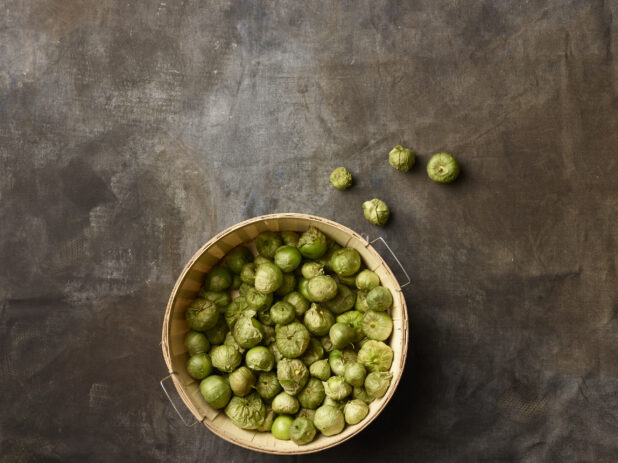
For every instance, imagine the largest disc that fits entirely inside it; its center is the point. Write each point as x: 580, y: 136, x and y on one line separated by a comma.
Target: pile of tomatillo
x: 294, y: 340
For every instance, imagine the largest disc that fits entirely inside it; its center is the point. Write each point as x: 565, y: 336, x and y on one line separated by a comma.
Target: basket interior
x: 186, y: 290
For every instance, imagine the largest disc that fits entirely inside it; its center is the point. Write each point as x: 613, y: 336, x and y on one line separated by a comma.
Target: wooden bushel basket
x: 187, y: 287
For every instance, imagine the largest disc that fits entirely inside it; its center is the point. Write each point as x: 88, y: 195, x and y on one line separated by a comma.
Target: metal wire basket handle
x: 187, y: 424
x: 379, y: 238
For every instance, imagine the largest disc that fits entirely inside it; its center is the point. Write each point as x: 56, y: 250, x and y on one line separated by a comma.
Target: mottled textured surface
x: 131, y: 132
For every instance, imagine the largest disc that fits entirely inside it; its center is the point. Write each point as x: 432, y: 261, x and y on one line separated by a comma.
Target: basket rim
x: 165, y: 345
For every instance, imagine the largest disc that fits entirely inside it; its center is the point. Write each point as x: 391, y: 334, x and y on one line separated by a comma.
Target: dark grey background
x: 132, y: 132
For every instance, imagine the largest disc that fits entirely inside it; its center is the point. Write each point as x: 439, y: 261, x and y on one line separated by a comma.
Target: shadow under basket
x: 187, y: 287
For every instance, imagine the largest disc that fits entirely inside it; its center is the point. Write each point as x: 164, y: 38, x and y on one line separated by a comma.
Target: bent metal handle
x: 188, y: 425
x: 379, y: 238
